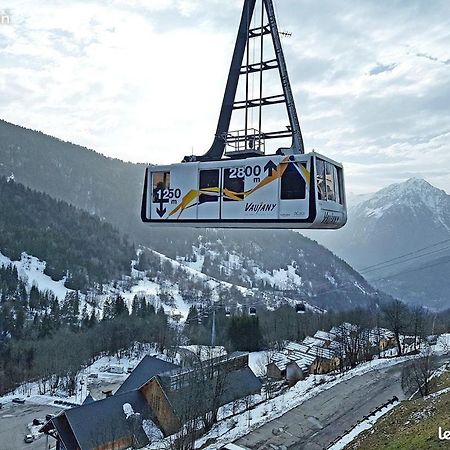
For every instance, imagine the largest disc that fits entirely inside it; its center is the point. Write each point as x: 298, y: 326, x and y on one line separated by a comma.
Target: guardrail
x: 368, y: 416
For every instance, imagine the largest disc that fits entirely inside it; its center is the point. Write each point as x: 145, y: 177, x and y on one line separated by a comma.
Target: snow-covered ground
x: 96, y: 374
x: 205, y: 352
x: 282, y: 279
x: 31, y: 270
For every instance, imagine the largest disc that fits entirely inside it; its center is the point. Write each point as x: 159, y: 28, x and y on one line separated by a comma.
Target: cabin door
x: 209, y: 199
x: 294, y: 190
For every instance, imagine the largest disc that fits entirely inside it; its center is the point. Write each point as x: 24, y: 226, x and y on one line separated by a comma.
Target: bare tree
x: 395, y: 314
x: 417, y: 375
x: 418, y: 325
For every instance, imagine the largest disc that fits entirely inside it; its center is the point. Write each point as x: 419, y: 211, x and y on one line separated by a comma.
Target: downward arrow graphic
x: 270, y: 167
x: 160, y: 211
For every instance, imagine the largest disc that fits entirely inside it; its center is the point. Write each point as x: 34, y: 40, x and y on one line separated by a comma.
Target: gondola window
x: 209, y: 181
x: 293, y: 186
x: 233, y: 186
x: 161, y: 184
x: 330, y: 182
x: 321, y: 185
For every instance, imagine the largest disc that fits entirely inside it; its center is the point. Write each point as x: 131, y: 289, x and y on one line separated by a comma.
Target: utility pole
x: 213, y: 329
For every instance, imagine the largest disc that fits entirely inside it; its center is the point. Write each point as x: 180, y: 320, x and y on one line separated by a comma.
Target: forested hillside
x: 263, y: 259
x: 271, y: 262
x: 107, y: 187
x: 75, y: 244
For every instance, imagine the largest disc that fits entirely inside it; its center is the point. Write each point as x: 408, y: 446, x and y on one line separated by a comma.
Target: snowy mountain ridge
x: 414, y: 193
x: 408, y: 218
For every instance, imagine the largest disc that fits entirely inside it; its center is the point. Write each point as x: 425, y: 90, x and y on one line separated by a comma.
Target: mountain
x: 107, y: 187
x: 76, y: 245
x: 273, y: 267
x: 412, y: 219
x: 283, y: 263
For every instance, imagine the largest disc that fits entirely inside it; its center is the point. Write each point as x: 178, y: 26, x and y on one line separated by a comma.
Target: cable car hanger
x: 245, y: 187
x: 237, y: 69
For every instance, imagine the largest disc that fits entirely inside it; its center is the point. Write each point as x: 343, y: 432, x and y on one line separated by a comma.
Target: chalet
x: 326, y: 360
x: 149, y: 367
x: 184, y: 393
x: 155, y: 401
x: 276, y: 369
x: 326, y: 336
x: 103, y: 424
x: 292, y: 365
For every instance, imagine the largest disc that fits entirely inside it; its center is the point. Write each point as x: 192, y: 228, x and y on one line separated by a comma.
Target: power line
x: 381, y: 267
x: 350, y: 284
x: 402, y: 256
x: 440, y: 263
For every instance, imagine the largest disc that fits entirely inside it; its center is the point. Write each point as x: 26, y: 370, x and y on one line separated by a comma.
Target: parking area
x: 13, y: 425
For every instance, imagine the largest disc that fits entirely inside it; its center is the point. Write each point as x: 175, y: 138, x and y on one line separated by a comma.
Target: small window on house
x: 160, y: 183
x: 293, y: 185
x: 233, y: 186
x: 209, y: 181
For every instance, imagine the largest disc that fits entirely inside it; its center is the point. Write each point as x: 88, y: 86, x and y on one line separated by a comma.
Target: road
x: 13, y: 425
x: 320, y: 420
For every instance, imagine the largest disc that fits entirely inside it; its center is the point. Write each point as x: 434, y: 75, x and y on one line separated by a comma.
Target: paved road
x: 13, y: 425
x: 321, y: 419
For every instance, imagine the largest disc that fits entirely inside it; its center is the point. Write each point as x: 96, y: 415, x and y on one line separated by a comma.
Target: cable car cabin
x: 249, y: 188
x: 297, y: 191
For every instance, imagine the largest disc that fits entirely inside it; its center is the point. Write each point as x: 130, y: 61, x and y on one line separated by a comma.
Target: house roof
x: 61, y: 425
x: 144, y: 371
x: 237, y: 384
x: 310, y: 341
x: 305, y: 359
x: 280, y: 360
x: 325, y: 335
x: 296, y: 347
x: 320, y: 352
x: 100, y: 422
x: 88, y: 399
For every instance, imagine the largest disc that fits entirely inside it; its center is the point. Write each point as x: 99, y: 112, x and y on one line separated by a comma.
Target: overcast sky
x: 143, y: 80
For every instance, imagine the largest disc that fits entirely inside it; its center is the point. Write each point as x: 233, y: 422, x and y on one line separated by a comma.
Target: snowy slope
x: 274, y: 267
x: 31, y: 270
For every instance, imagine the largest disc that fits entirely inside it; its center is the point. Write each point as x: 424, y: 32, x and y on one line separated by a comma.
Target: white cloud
x: 144, y: 80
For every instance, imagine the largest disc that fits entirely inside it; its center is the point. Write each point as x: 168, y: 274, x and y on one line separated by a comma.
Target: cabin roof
x: 312, y: 341
x: 280, y: 360
x: 238, y: 384
x: 323, y: 353
x: 144, y: 371
x: 88, y: 399
x: 325, y: 335
x: 100, y: 422
x: 296, y: 347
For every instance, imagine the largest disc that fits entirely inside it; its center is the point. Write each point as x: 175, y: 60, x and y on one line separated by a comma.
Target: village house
x: 154, y: 402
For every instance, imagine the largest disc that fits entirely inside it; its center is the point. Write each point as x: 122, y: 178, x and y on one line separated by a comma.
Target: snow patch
x: 31, y: 271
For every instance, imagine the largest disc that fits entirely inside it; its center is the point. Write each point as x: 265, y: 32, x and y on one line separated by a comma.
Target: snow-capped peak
x: 414, y: 193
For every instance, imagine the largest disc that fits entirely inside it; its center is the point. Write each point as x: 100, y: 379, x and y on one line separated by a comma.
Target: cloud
x: 432, y: 58
x: 380, y: 68
x: 144, y: 80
